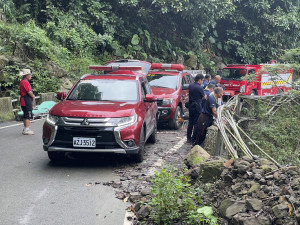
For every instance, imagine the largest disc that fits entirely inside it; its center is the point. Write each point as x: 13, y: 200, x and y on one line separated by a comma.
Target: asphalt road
x: 33, y: 191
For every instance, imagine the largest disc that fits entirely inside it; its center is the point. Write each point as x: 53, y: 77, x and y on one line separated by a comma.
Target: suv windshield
x: 163, y: 80
x: 105, y: 90
x: 233, y: 74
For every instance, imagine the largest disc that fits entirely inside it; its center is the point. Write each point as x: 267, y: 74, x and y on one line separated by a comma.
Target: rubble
x: 255, y: 191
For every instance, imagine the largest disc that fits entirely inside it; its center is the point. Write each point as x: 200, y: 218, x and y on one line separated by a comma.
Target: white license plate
x: 227, y: 93
x: 84, y: 142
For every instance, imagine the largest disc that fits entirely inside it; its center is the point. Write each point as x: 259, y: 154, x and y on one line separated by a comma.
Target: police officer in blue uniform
x: 209, y: 111
x: 196, y: 94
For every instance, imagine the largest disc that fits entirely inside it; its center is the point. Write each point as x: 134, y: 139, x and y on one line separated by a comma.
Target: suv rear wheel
x: 174, y: 123
x: 153, y: 137
x: 139, y: 157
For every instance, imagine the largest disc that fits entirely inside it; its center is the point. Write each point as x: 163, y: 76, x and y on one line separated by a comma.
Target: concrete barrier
x: 213, y: 143
x: 6, y: 109
x: 9, y: 107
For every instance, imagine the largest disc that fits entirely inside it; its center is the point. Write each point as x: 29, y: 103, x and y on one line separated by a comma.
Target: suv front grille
x: 104, y: 136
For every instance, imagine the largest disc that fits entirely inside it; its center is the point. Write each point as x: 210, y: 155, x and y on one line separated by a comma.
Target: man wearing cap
x: 26, y: 100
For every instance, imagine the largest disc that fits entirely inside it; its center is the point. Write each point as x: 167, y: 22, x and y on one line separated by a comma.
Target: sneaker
x: 28, y: 132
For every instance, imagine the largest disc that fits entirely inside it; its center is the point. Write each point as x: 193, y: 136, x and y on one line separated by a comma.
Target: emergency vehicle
x: 110, y: 112
x: 237, y: 80
x: 170, y: 84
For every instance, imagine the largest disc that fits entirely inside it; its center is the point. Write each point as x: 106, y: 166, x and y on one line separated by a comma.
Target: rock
x: 55, y: 70
x: 280, y: 210
x: 248, y: 159
x: 224, y: 206
x: 143, y: 212
x: 257, y: 176
x: 211, y: 170
x: 263, y: 220
x: 211, y: 140
x: 3, y: 61
x: 298, y: 216
x: 254, y: 187
x: 253, y: 204
x: 146, y: 192
x: 134, y: 196
x: 295, y: 183
x: 194, y: 173
x: 235, y: 208
x: 237, y: 187
x: 191, y: 62
x: 196, y: 156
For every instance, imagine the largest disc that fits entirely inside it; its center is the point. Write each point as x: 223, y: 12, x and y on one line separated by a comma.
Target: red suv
x: 170, y: 84
x: 113, y: 112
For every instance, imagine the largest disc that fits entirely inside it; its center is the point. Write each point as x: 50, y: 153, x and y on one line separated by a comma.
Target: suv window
x: 189, y: 78
x: 105, y: 90
x: 163, y: 80
x: 183, y: 81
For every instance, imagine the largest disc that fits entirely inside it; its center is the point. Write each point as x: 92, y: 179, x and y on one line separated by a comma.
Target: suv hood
x: 163, y: 92
x: 70, y: 108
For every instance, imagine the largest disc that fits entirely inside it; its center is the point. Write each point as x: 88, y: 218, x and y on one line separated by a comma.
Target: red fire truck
x: 237, y: 80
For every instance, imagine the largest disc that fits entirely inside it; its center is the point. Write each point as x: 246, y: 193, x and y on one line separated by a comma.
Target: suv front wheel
x: 139, y: 157
x: 174, y: 123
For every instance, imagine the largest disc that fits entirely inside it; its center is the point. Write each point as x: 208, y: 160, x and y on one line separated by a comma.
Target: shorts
x: 27, y: 113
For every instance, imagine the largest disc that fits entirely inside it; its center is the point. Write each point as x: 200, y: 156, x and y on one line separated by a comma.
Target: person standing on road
x: 26, y: 100
x: 196, y: 94
x: 209, y: 111
x: 206, y: 80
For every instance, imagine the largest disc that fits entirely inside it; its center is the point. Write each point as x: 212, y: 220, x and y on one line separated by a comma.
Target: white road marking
x: 18, y: 124
x: 25, y: 220
x: 152, y: 171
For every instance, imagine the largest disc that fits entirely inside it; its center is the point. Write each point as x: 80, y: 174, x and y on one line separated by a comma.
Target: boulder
x: 253, y: 204
x: 196, y: 156
x: 229, y: 208
x: 211, y: 170
x: 55, y: 70
x: 3, y: 61
x: 211, y: 139
x: 143, y: 212
x: 192, y: 62
x: 280, y: 210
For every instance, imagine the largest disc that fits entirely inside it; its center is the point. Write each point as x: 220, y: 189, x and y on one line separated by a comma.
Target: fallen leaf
x: 126, y: 199
x: 228, y: 163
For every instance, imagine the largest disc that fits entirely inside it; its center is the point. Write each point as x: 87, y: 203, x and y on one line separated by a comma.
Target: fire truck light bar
x: 178, y: 67
x: 115, y: 67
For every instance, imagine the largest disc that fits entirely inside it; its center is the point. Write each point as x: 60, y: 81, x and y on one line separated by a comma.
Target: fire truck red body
x: 237, y: 80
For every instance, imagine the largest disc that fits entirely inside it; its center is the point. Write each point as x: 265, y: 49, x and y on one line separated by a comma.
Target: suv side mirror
x: 61, y: 96
x: 150, y: 98
x: 185, y: 87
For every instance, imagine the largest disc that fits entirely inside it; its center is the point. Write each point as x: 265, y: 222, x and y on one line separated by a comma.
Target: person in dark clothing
x: 196, y: 94
x: 206, y: 80
x: 209, y: 111
x: 207, y: 91
x: 26, y: 100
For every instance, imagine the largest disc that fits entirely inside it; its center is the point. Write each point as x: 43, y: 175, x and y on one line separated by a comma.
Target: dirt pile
x: 255, y: 191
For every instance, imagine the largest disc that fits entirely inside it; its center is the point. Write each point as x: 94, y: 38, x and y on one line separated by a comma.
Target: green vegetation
x: 175, y: 199
x: 276, y: 127
x: 73, y: 34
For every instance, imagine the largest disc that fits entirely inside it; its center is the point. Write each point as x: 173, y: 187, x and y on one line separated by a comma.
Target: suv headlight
x: 167, y: 101
x: 126, y: 121
x: 52, y: 119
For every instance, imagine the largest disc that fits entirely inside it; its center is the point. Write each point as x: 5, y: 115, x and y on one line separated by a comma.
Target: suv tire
x: 153, y: 137
x: 139, y: 157
x: 174, y: 122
